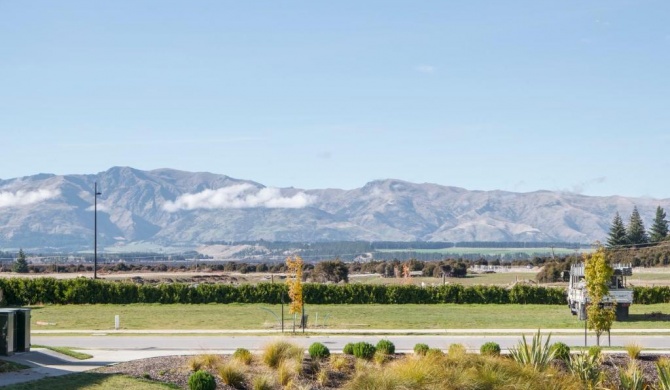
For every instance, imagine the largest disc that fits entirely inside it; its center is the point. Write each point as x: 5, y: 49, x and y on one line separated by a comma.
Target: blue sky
x: 513, y: 95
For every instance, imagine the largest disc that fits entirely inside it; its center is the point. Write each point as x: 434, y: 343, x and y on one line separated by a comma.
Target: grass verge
x: 257, y: 316
x: 65, y: 351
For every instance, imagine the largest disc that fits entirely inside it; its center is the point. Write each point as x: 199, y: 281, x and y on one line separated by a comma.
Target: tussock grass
x: 195, y: 363
x: 456, y: 350
x: 339, y: 363
x: 275, y: 353
x: 243, y: 356
x: 232, y: 374
x: 285, y: 372
x: 470, y: 371
x: 211, y: 361
x: 322, y: 377
x: 633, y: 350
x: 262, y: 382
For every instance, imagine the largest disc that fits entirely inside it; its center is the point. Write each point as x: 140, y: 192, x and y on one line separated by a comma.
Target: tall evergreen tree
x: 21, y: 264
x: 637, y: 235
x: 617, y: 236
x: 659, y: 230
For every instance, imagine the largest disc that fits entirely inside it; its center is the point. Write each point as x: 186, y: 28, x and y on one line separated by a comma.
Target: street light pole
x: 95, y: 230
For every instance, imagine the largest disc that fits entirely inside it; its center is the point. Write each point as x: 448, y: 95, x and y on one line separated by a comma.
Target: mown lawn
x: 257, y: 316
x: 89, y: 380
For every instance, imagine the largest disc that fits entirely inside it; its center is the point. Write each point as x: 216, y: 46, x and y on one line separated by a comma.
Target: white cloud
x: 239, y: 196
x: 425, y: 68
x: 23, y: 198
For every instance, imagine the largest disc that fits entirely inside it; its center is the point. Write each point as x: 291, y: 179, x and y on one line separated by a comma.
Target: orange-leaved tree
x: 294, y: 281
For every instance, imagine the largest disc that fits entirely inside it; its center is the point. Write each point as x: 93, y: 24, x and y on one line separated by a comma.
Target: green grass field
x: 90, y: 381
x: 252, y: 316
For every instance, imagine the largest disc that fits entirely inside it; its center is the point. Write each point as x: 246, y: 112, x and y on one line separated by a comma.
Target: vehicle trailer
x: 619, y: 294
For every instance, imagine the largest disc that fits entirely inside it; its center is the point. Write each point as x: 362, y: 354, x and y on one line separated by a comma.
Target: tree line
x: 635, y: 234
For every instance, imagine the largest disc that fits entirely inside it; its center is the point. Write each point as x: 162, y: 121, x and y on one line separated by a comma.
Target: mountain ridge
x: 173, y: 207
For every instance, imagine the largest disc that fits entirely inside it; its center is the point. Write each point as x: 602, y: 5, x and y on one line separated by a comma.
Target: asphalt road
x: 335, y: 342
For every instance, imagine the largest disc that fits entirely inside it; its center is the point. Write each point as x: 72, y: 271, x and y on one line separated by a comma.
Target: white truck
x: 619, y: 294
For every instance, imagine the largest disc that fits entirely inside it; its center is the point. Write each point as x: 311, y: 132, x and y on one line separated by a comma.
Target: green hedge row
x: 23, y: 291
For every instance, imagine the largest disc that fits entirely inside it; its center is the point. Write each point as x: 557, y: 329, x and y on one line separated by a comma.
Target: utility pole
x: 95, y: 230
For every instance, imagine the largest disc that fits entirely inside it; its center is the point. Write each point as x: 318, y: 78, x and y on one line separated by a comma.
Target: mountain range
x: 168, y: 207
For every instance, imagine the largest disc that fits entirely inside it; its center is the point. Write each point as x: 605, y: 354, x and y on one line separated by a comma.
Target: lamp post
x: 95, y: 230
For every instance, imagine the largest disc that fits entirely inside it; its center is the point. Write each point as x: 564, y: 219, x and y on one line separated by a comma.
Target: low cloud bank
x: 23, y: 198
x: 239, y: 196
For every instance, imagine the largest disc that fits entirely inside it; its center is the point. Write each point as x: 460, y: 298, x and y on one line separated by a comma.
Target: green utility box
x: 22, y: 330
x: 7, y: 322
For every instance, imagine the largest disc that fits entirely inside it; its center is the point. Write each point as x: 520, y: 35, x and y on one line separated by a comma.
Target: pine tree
x: 20, y: 265
x: 617, y: 236
x: 637, y: 235
x: 659, y: 230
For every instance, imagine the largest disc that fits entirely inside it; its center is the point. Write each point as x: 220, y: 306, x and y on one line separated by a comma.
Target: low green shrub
x: 421, y: 349
x: 385, y: 346
x: 318, y: 351
x: 363, y: 350
x: 561, y: 351
x: 201, y: 380
x: 490, y: 348
x: 348, y: 349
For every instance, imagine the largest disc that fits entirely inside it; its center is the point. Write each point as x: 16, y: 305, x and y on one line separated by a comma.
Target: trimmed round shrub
x: 561, y: 351
x: 363, y: 350
x: 490, y: 348
x: 421, y: 349
x: 201, y: 380
x: 318, y: 351
x: 348, y: 349
x: 385, y: 346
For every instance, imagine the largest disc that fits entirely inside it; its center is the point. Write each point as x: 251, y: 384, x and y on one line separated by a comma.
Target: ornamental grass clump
x: 586, y: 367
x: 663, y: 370
x: 232, y: 375
x: 243, y: 356
x: 537, y: 355
x: 631, y: 378
x: 471, y: 371
x: 633, y: 350
x: 262, y: 382
x: 277, y: 352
